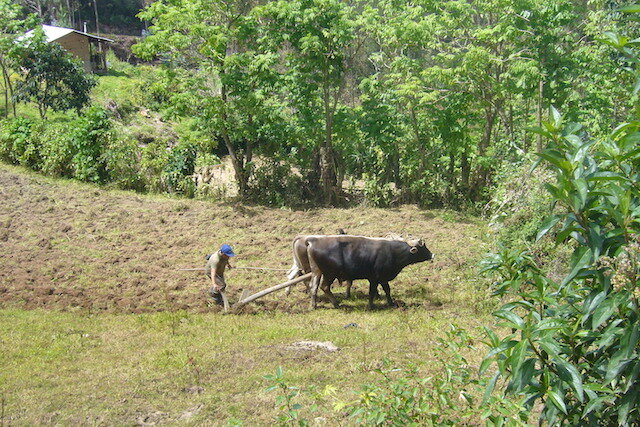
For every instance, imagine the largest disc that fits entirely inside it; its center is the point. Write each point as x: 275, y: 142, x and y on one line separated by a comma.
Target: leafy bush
x: 178, y: 171
x: 122, y: 163
x: 449, y: 398
x: 90, y: 135
x: 575, y: 342
x: 19, y: 142
x: 153, y: 160
x: 57, y: 150
x: 378, y: 193
x: 273, y: 183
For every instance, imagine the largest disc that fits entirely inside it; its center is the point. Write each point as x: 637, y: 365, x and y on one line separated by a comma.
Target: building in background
x: 87, y: 47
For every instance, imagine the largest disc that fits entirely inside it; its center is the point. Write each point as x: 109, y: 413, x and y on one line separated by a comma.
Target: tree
x: 318, y: 39
x: 11, y: 28
x: 51, y: 77
x: 209, y: 45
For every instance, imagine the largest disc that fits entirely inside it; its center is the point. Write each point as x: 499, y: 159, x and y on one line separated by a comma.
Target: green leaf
x: 582, y: 258
x: 624, y: 407
x: 593, y: 303
x: 502, y: 347
x: 569, y: 374
x: 486, y: 362
x: 523, y: 375
x: 557, y: 117
x: 603, y: 312
x: 514, y: 320
x: 490, y: 386
x: 547, y: 225
x: 593, y: 404
x: 632, y: 8
x: 557, y: 400
x: 540, y: 131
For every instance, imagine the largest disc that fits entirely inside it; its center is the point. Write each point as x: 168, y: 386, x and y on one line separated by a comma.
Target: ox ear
x: 413, y: 249
x: 421, y: 242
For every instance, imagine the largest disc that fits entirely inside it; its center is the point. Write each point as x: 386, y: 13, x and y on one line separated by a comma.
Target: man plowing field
x: 217, y: 263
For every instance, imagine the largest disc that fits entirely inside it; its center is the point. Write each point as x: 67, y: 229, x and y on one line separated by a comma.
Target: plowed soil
x: 70, y: 246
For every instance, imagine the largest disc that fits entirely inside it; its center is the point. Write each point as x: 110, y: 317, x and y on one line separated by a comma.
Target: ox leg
x: 349, y: 284
x: 373, y: 288
x: 315, y: 281
x: 294, y: 272
x: 387, y: 291
x: 326, y: 287
x: 375, y: 292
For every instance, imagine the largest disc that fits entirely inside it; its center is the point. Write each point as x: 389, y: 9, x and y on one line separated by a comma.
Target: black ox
x: 345, y: 257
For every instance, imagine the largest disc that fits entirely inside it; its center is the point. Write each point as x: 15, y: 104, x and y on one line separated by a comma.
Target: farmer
x: 217, y: 263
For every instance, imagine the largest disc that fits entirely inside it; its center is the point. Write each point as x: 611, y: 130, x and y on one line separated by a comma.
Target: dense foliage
x: 101, y: 16
x: 575, y: 341
x: 424, y: 101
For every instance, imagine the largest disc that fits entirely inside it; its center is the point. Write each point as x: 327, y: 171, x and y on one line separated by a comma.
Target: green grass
x: 77, y: 367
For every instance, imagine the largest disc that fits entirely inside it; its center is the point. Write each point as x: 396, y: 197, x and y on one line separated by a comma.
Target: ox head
x: 419, y: 250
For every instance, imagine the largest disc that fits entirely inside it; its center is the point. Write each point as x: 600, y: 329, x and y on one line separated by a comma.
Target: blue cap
x: 227, y: 250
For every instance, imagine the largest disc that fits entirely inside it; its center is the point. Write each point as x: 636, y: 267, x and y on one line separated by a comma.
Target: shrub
x: 19, y: 142
x: 575, y: 342
x: 273, y: 183
x: 122, y: 163
x: 178, y: 171
x: 57, y: 150
x: 154, y: 157
x: 90, y: 135
x: 377, y: 192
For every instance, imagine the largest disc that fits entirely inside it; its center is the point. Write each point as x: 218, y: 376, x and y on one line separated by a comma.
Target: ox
x: 301, y: 262
x: 354, y: 257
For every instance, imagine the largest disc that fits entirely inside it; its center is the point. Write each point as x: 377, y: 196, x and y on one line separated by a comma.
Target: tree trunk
x: 465, y: 171
x: 490, y: 117
x: 328, y: 175
x: 6, y: 88
x: 237, y: 161
x: 539, y: 114
x: 95, y: 10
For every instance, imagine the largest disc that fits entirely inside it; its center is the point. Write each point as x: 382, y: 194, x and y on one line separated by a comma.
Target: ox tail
x: 296, y: 268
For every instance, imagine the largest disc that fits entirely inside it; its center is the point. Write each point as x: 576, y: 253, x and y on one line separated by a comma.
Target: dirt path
x: 71, y: 246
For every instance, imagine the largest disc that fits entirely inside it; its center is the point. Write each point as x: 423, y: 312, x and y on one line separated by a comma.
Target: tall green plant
x: 575, y: 342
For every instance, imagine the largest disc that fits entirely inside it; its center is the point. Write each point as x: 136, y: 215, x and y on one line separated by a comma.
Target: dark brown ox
x: 355, y: 257
x: 301, y: 262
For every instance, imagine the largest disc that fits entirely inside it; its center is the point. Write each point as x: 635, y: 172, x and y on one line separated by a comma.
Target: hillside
x: 98, y: 326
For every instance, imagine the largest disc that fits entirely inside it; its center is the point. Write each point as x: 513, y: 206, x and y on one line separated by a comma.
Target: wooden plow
x: 244, y: 299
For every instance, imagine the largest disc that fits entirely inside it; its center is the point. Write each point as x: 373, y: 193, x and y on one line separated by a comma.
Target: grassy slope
x: 96, y: 326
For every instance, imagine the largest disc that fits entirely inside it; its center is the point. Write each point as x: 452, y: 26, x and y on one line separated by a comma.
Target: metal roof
x: 54, y: 33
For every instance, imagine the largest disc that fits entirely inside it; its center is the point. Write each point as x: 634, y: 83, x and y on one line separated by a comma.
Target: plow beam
x: 244, y: 301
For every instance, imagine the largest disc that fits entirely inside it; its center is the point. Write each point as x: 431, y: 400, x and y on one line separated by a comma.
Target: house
x: 87, y: 47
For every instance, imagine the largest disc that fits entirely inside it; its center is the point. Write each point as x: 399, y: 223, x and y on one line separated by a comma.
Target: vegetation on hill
x: 421, y: 103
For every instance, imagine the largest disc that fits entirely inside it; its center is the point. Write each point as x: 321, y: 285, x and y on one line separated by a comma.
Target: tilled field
x: 69, y: 246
